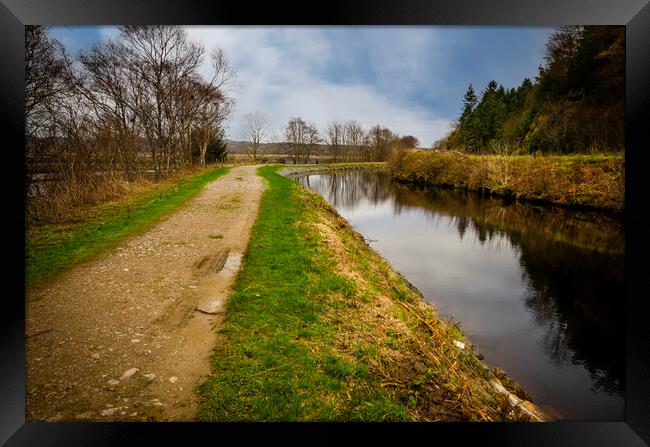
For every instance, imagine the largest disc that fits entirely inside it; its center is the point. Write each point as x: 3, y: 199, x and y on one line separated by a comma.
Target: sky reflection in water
x: 538, y: 290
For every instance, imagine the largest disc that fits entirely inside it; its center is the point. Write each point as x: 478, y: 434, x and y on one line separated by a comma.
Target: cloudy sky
x: 409, y: 79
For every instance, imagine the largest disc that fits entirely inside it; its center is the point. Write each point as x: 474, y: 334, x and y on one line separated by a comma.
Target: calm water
x: 539, y: 291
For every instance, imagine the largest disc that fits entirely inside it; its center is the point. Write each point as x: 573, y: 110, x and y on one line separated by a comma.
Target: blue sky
x: 410, y: 79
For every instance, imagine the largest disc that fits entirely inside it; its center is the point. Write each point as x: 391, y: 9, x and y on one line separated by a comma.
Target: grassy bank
x: 53, y: 248
x: 595, y: 181
x: 315, y: 169
x: 319, y: 327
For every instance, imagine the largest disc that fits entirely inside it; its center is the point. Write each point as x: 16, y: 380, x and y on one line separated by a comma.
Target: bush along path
x: 128, y: 334
x: 319, y: 327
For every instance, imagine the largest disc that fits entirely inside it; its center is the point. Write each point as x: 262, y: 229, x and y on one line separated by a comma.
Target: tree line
x: 122, y: 107
x: 575, y: 104
x: 341, y: 141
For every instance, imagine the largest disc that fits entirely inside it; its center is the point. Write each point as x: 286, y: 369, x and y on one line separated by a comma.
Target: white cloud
x: 281, y: 73
x: 408, y: 78
x: 278, y: 75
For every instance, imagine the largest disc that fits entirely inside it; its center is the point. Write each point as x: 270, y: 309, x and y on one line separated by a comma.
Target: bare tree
x: 148, y: 85
x: 45, y: 85
x: 295, y: 137
x: 313, y: 138
x: 212, y: 110
x: 256, y: 128
x: 44, y: 76
x: 166, y: 64
x: 354, y: 138
x: 109, y: 86
x: 336, y: 139
x: 379, y: 139
x: 562, y: 45
x: 301, y: 138
x: 223, y: 75
x: 90, y: 116
x: 214, y: 102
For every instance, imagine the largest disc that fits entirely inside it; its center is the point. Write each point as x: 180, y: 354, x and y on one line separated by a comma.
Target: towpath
x: 129, y: 335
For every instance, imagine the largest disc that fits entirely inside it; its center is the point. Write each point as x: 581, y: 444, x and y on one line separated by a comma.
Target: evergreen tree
x: 469, y: 102
x: 491, y: 87
x: 217, y: 149
x: 575, y: 103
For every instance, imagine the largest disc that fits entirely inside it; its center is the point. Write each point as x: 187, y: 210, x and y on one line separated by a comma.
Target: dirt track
x: 129, y: 335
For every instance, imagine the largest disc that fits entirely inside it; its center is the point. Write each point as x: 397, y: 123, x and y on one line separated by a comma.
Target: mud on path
x: 129, y: 335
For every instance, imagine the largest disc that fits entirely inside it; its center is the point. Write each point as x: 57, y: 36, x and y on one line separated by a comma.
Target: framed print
x: 422, y: 214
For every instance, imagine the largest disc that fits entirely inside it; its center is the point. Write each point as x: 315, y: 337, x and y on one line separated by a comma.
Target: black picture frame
x: 634, y: 14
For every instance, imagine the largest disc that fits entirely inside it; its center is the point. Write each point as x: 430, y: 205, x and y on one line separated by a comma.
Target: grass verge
x: 320, y: 328
x: 54, y: 248
x: 592, y: 181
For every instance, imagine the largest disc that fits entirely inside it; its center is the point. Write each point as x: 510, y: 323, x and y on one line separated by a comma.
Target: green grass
x: 279, y: 362
x: 320, y: 328
x: 53, y: 249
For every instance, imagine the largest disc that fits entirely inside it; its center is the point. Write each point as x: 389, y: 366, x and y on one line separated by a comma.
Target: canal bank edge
x: 371, y: 166
x: 590, y: 182
x: 442, y: 337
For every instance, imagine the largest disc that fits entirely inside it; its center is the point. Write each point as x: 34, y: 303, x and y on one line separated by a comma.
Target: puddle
x: 213, y: 302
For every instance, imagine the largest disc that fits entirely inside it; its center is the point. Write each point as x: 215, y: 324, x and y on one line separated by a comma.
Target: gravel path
x: 129, y: 335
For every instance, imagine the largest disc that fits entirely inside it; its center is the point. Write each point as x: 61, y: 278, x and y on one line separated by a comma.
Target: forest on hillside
x: 575, y: 103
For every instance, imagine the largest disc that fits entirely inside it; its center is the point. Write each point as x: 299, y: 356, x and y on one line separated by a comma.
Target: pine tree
x: 491, y: 87
x: 575, y: 103
x: 217, y: 149
x: 469, y: 103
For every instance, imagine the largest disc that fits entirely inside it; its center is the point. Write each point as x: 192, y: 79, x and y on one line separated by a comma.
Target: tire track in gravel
x: 128, y: 335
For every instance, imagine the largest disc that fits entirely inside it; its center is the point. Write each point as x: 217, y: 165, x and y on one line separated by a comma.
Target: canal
x: 539, y: 291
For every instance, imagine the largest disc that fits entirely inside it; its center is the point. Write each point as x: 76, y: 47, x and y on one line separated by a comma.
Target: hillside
x: 575, y: 104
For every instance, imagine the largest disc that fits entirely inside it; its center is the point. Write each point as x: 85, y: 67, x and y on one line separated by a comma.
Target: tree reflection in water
x: 572, y: 262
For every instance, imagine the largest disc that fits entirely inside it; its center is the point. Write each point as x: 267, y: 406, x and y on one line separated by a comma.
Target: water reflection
x: 577, y: 296
x: 348, y: 189
x: 539, y: 290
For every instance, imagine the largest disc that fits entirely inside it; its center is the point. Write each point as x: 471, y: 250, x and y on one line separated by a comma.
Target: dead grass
x: 407, y: 346
x: 595, y: 181
x: 71, y: 200
x: 85, y: 230
x: 58, y: 202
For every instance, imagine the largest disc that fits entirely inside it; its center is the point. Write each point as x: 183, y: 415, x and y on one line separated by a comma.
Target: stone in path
x: 83, y: 360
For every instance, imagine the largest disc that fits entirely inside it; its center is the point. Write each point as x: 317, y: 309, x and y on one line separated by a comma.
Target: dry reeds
x: 410, y: 351
x: 596, y: 181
